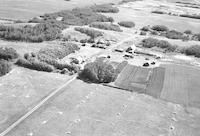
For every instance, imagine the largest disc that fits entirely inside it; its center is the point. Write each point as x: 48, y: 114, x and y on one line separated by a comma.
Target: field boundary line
x: 21, y: 119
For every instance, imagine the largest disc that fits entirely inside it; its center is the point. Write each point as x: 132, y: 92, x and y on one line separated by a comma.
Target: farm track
x: 36, y: 107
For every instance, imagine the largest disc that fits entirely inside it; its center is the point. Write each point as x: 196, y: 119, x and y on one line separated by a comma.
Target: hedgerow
x: 105, y: 8
x: 190, y: 16
x: 106, y: 26
x: 128, y: 24
x: 158, y: 12
x: 35, y: 65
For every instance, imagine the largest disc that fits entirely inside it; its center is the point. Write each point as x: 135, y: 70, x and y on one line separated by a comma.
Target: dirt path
x: 36, y: 107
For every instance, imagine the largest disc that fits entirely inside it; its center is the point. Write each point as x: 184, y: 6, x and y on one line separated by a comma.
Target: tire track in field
x: 15, y: 124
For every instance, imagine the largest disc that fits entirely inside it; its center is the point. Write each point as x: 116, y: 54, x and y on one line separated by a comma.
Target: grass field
x: 26, y: 9
x: 140, y: 13
x: 96, y: 110
x: 24, y: 47
x: 181, y: 85
x: 21, y: 89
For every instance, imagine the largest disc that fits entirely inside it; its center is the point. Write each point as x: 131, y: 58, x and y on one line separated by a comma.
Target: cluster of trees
x: 171, y: 34
x: 77, y: 16
x: 49, y: 30
x: 98, y: 72
x: 193, y: 50
x: 6, y: 55
x: 90, y: 32
x: 152, y: 42
x: 106, y: 26
x: 5, y: 67
x: 49, y: 27
x: 128, y: 24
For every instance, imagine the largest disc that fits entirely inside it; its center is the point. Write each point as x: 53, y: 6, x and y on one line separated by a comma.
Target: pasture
x: 21, y: 89
x: 24, y: 10
x: 140, y: 13
x: 94, y: 110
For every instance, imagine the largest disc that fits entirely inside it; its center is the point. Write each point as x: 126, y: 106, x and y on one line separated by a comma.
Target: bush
x: 158, y: 12
x: 35, y: 65
x: 128, y: 24
x: 105, y: 8
x: 193, y: 50
x: 8, y: 53
x: 90, y: 32
x: 197, y: 36
x: 188, y: 32
x: 106, y: 26
x: 160, y: 28
x: 145, y: 28
x: 5, y: 67
x: 26, y: 56
x: 98, y: 72
x: 151, y: 42
x: 143, y: 33
x: 173, y: 34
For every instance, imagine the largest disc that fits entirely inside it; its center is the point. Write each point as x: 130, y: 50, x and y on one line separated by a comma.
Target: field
x: 23, y: 10
x: 133, y: 78
x: 142, y: 80
x: 140, y: 13
x: 170, y: 82
x: 181, y: 85
x: 162, y: 99
x: 21, y: 89
x: 90, y: 109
